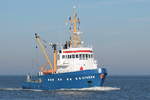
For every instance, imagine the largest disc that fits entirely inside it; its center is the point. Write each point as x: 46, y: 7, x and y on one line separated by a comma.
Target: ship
x: 74, y: 65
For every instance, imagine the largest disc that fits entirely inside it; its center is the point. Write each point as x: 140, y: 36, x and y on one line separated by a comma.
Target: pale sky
x: 118, y: 30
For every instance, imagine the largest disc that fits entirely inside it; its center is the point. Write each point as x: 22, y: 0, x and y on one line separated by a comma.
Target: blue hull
x: 79, y: 79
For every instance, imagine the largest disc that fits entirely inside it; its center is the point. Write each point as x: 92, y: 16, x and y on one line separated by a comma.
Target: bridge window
x: 66, y: 56
x: 73, y: 56
x: 80, y: 56
x: 86, y: 56
x: 63, y: 56
x: 77, y: 56
x: 69, y: 56
x: 91, y: 55
x: 83, y: 56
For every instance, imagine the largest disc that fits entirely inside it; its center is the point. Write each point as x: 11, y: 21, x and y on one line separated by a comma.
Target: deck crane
x: 52, y: 69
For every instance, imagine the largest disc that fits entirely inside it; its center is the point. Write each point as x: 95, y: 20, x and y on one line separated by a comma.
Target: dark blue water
x: 131, y: 88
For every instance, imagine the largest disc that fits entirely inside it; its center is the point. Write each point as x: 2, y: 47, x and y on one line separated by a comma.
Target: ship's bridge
x: 76, y: 59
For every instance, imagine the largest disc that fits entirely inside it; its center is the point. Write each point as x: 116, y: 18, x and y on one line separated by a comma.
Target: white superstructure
x: 76, y: 59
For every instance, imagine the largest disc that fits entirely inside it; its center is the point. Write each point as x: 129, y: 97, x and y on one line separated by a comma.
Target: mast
x: 75, y: 40
x: 74, y: 20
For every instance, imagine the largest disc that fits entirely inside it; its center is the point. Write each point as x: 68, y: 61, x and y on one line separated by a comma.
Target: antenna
x: 74, y: 29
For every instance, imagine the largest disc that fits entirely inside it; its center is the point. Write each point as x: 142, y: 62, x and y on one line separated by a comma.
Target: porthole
x: 79, y: 78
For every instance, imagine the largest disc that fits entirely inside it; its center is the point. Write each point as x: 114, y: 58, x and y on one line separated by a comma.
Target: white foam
x: 72, y: 89
x: 11, y: 89
x: 95, y: 89
x: 19, y: 89
x: 35, y: 90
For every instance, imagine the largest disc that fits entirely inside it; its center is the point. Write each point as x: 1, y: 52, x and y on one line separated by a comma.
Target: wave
x: 95, y: 89
x: 72, y: 89
x: 11, y: 89
x: 18, y: 89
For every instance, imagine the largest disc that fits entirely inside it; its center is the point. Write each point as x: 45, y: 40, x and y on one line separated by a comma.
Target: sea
x: 115, y: 88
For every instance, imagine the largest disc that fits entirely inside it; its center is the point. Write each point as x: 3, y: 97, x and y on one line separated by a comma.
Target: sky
x: 118, y: 30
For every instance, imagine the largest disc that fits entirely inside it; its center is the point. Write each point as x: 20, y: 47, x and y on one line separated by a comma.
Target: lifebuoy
x: 81, y: 68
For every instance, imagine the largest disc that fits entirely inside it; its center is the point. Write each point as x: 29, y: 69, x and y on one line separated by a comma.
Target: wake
x: 73, y: 89
x: 18, y: 89
x: 95, y: 89
x: 11, y: 89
